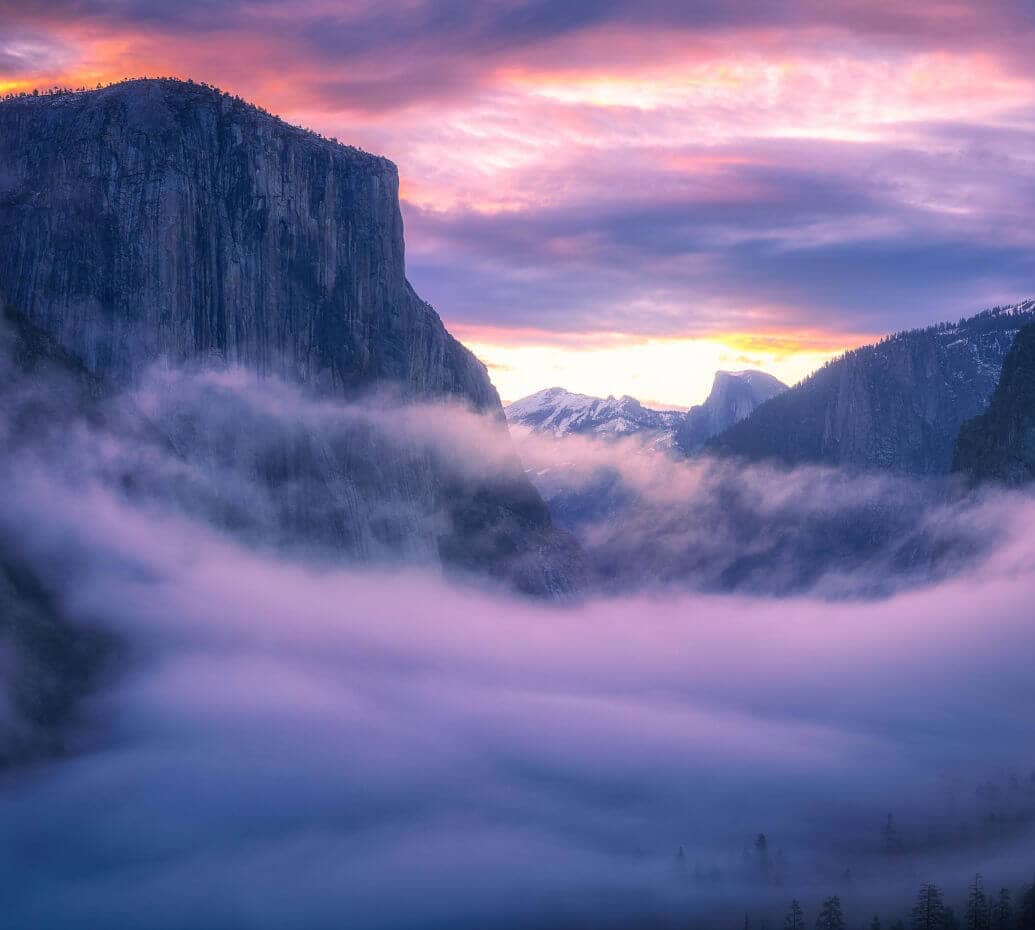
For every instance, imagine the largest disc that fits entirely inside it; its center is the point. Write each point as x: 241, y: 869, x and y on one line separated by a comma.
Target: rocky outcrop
x: 163, y: 220
x: 897, y: 405
x: 734, y: 396
x: 999, y: 445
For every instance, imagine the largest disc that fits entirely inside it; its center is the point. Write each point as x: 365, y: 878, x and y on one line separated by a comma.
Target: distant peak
x: 1024, y: 306
x: 559, y: 394
x: 750, y: 377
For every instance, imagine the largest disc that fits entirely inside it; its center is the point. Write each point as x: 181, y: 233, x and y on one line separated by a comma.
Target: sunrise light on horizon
x: 604, y: 193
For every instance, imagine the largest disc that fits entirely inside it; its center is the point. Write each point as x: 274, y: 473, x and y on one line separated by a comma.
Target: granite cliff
x: 734, y: 396
x: 160, y: 220
x: 157, y: 218
x: 159, y: 226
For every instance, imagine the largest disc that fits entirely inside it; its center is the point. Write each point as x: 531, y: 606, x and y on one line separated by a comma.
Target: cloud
x: 295, y: 743
x: 293, y: 747
x: 648, y: 519
x: 650, y: 169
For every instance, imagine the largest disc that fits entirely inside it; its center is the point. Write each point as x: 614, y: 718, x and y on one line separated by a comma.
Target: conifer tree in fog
x: 1002, y: 911
x: 977, y: 915
x: 679, y: 866
x: 929, y: 911
x: 831, y: 916
x: 795, y: 919
x: 762, y: 856
x: 1026, y: 918
x: 892, y: 843
x: 875, y: 923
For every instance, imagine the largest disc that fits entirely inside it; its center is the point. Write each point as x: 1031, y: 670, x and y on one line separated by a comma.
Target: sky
x: 621, y: 197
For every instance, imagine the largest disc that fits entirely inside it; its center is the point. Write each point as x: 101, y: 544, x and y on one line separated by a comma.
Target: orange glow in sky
x: 603, y: 201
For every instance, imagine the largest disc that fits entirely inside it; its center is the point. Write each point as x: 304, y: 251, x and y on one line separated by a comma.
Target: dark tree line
x: 58, y: 90
x: 983, y: 911
x: 985, y: 816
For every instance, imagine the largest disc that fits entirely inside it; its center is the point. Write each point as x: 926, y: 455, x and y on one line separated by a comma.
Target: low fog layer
x: 289, y: 742
x: 647, y: 518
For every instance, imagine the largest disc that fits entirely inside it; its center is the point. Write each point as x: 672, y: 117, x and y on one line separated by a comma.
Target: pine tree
x: 977, y: 916
x: 892, y: 844
x: 1002, y: 911
x: 795, y: 919
x: 679, y: 866
x: 929, y: 911
x: 762, y: 855
x: 875, y: 923
x: 1026, y: 918
x: 831, y: 916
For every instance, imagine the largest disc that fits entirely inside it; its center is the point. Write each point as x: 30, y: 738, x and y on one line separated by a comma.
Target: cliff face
x: 897, y: 405
x: 165, y: 220
x: 157, y: 218
x: 999, y: 445
x: 734, y: 396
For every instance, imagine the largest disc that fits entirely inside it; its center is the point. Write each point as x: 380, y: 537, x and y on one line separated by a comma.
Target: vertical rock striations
x: 165, y: 219
x: 158, y: 219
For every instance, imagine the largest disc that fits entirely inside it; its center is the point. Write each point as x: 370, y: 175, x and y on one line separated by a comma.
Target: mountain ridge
x: 559, y: 412
x: 896, y: 405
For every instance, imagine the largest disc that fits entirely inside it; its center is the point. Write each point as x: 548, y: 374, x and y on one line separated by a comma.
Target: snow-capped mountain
x: 563, y: 413
x: 734, y: 396
x: 558, y: 412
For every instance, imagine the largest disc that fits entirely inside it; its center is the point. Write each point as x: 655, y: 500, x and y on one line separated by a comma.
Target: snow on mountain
x: 562, y: 413
x: 558, y: 412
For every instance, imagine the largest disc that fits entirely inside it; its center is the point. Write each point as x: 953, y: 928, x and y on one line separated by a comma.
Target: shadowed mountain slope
x: 999, y: 445
x: 896, y: 405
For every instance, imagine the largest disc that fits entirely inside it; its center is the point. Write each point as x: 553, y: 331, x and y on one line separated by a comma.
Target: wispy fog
x: 287, y: 742
x: 648, y: 517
